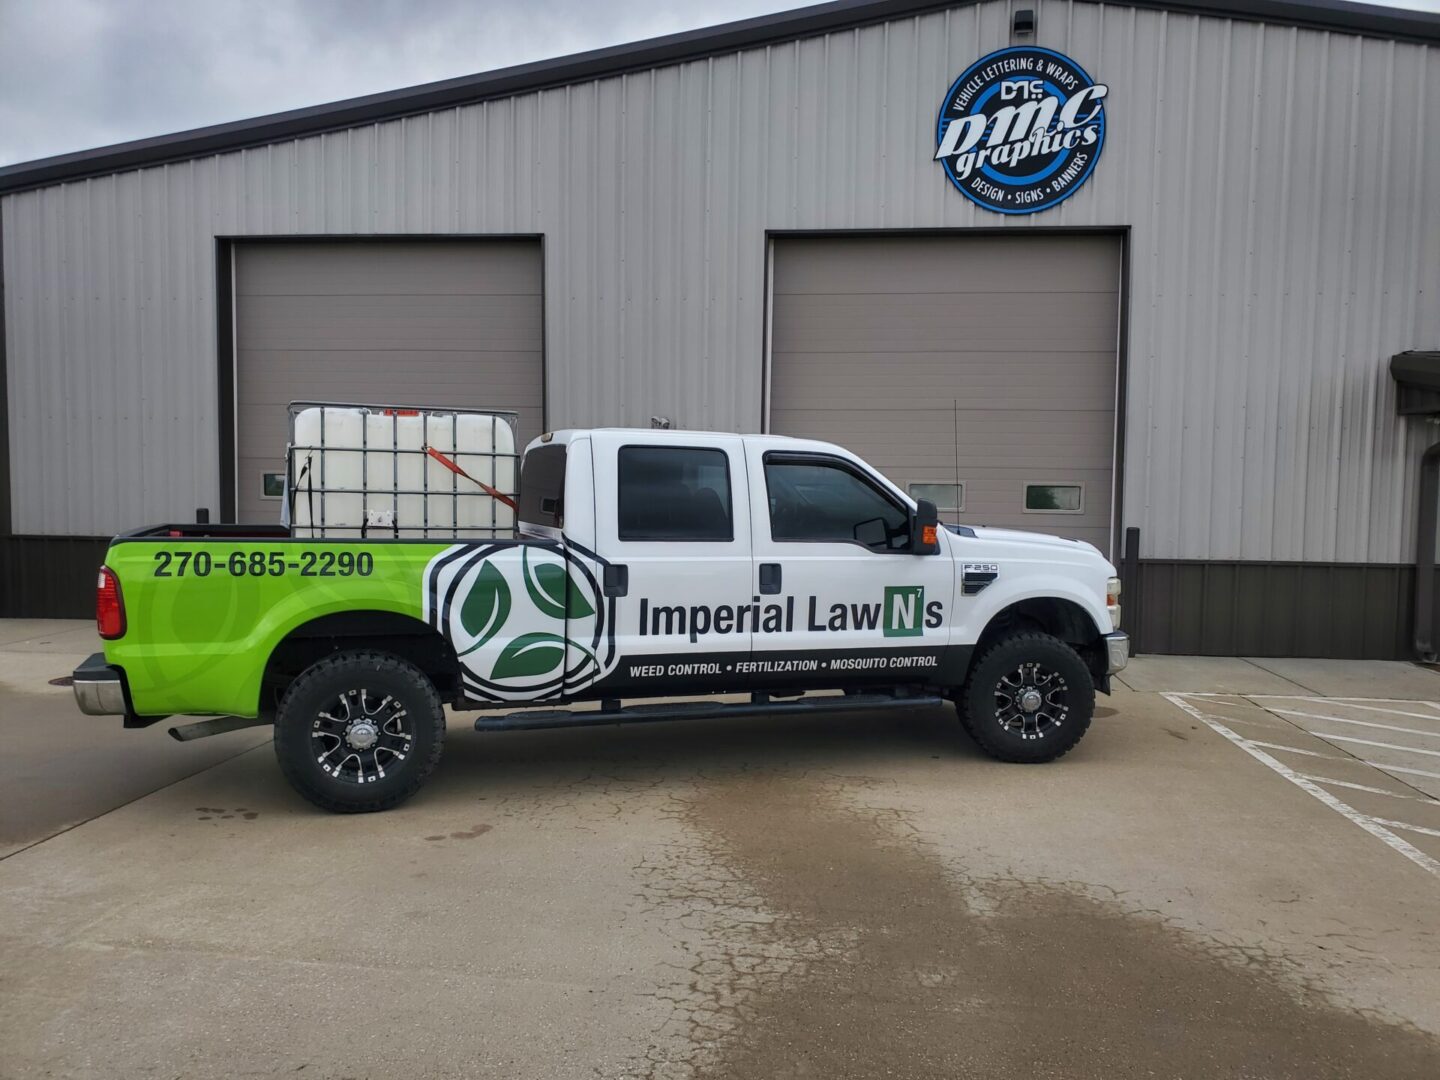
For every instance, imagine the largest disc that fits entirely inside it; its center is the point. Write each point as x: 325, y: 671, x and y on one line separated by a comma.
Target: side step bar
x: 216, y: 725
x: 536, y: 719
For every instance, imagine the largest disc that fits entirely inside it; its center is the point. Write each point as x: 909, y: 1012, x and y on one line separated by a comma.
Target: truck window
x: 542, y: 486
x: 674, y: 493
x: 820, y: 500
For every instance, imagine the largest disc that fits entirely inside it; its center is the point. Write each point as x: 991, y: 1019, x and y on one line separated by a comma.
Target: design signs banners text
x: 1021, y: 129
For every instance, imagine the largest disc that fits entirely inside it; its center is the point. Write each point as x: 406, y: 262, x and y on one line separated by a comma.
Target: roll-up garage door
x: 976, y: 371
x: 426, y: 322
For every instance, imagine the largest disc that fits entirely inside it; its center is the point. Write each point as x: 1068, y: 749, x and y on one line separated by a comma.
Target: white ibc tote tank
x: 385, y: 472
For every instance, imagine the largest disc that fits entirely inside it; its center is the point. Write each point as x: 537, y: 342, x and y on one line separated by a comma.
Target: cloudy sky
x: 82, y: 73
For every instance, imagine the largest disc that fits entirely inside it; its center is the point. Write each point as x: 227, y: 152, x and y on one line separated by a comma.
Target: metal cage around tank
x: 307, y: 466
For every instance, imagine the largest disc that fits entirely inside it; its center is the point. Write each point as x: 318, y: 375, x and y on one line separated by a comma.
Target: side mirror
x: 925, y: 529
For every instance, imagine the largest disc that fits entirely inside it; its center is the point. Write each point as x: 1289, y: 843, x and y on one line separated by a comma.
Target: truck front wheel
x: 1029, y: 699
x: 359, y: 732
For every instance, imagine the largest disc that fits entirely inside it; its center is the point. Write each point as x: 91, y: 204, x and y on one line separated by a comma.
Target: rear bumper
x: 100, y: 689
x: 1117, y: 652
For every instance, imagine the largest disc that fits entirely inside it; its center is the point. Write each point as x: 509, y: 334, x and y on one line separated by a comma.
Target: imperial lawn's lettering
x: 902, y: 613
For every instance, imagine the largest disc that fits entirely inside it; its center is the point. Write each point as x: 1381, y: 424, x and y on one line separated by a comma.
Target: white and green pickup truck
x: 742, y: 571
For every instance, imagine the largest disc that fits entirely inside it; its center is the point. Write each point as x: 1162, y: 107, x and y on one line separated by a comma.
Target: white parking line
x: 1382, y: 766
x: 1404, y: 825
x: 1401, y: 768
x: 1296, y: 750
x: 1374, y: 827
x: 1376, y: 708
x: 1372, y: 742
x: 1373, y: 790
x: 1355, y: 702
x: 1359, y: 723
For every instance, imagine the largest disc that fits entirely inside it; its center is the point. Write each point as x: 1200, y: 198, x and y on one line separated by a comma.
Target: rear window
x: 674, y: 493
x: 542, y: 486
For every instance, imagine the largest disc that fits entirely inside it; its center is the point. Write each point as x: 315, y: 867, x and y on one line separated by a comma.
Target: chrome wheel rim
x: 361, y: 736
x: 1031, y: 701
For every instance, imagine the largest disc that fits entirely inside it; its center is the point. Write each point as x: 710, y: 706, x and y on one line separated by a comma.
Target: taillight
x: 109, y: 606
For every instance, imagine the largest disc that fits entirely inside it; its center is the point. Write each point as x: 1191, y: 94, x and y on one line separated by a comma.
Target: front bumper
x: 100, y: 689
x: 1117, y: 651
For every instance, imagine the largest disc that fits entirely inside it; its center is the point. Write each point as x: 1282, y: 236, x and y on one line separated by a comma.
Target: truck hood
x: 1032, y: 544
x: 1020, y: 536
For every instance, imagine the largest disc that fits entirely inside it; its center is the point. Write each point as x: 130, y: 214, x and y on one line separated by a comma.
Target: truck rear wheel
x: 359, y: 732
x: 1029, y: 699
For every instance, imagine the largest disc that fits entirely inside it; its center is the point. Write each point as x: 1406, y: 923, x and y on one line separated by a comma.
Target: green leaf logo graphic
x: 486, y: 607
x: 530, y: 654
x: 575, y: 600
x: 552, y: 590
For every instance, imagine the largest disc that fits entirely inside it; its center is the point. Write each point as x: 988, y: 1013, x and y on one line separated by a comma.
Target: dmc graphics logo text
x: 1021, y: 129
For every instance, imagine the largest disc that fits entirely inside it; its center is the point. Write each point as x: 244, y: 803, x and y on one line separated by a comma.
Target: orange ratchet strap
x: 458, y: 471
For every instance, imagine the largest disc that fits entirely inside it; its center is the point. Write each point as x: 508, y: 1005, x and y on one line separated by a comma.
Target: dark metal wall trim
x: 225, y: 372
x: 5, y: 521
x: 1338, y: 15
x: 1422, y: 635
x: 1219, y: 608
x: 49, y: 577
x: 1122, y: 405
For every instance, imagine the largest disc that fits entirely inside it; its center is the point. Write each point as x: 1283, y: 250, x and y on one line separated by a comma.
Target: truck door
x: 528, y: 620
x: 833, y: 542
x: 672, y: 523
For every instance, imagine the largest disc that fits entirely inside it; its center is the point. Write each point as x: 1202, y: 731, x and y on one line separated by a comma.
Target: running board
x: 216, y: 725
x: 534, y: 719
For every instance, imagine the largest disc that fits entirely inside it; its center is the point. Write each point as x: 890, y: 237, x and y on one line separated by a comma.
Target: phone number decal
x: 265, y: 564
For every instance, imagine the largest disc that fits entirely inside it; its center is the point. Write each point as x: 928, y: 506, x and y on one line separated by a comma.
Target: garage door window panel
x: 1052, y: 497
x: 947, y: 495
x: 674, y: 493
x: 821, y: 500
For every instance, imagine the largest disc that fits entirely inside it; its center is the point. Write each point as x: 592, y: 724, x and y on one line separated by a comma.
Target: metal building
x: 1082, y: 267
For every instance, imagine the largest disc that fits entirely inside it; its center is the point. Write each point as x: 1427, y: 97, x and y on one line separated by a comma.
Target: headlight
x: 1112, y: 601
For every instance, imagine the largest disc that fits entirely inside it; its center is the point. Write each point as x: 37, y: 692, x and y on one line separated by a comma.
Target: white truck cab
x: 699, y: 563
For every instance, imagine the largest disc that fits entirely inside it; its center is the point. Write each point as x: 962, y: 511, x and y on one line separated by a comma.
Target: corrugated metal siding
x: 1283, y: 188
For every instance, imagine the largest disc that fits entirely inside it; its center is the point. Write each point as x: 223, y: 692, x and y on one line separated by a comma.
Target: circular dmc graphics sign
x: 1021, y: 129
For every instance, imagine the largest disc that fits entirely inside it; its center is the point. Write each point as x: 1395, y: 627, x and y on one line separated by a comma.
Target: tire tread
x: 987, y: 735
x: 290, y: 764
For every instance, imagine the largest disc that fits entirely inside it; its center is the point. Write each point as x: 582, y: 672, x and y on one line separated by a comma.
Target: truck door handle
x: 616, y: 580
x: 769, y: 578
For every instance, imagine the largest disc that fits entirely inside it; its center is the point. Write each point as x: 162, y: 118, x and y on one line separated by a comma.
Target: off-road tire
x: 323, y: 686
x: 981, y: 716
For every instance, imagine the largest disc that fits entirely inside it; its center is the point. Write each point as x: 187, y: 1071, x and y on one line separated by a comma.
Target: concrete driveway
x: 856, y: 897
